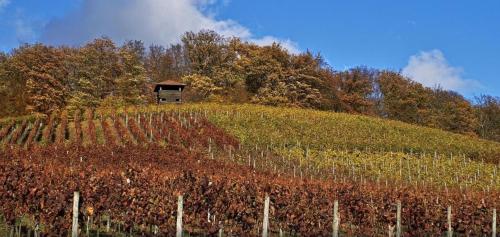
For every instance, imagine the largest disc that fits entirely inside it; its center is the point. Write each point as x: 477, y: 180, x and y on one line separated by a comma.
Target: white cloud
x: 291, y: 46
x: 432, y: 69
x: 152, y: 21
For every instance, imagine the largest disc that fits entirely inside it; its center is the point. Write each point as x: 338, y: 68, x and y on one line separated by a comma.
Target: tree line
x: 42, y: 78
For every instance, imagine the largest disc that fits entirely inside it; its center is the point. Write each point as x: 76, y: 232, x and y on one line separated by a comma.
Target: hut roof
x: 170, y: 83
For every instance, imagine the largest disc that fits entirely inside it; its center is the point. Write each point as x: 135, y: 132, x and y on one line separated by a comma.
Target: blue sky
x: 451, y: 43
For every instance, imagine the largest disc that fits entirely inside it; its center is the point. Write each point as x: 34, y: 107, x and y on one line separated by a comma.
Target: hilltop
x: 101, y: 73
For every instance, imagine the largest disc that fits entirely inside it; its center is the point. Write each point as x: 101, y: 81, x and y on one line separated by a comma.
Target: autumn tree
x: 12, y: 88
x: 488, y: 115
x: 38, y: 73
x: 211, y: 55
x: 97, y: 65
x: 136, y: 48
x: 288, y: 91
x: 208, y: 52
x: 200, y: 87
x: 103, y: 70
x: 131, y: 84
x: 158, y: 63
x: 452, y: 112
x: 355, y: 88
x: 403, y: 99
x: 179, y: 61
x: 166, y: 63
x: 258, y: 64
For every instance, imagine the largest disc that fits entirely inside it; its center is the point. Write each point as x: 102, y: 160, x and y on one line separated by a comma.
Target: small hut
x: 169, y: 92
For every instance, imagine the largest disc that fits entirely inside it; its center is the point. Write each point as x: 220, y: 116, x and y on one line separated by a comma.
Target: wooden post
x: 391, y: 231
x: 108, y: 223
x: 398, y: 221
x: 179, y: 216
x: 265, y: 223
x: 37, y: 234
x: 87, y: 226
x: 494, y: 224
x: 74, y: 230
x: 336, y: 218
x: 450, y: 230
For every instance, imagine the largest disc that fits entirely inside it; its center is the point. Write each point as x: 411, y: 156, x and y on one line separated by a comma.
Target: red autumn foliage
x: 47, y: 132
x: 138, y: 185
x: 137, y: 131
x: 123, y: 131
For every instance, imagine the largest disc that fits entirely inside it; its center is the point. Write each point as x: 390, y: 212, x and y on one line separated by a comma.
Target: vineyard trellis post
x: 450, y: 230
x: 265, y: 223
x: 37, y: 233
x: 391, y: 231
x: 180, y: 202
x: 336, y: 218
x: 76, y: 199
x: 108, y: 223
x: 494, y: 223
x: 398, y: 221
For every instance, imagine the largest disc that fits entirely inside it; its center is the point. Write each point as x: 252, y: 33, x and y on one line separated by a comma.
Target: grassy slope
x: 344, y: 145
x: 360, y: 146
x: 318, y: 129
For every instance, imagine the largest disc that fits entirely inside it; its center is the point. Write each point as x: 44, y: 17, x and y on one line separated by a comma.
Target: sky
x: 451, y: 43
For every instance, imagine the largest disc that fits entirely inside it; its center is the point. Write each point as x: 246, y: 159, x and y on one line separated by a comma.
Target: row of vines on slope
x: 137, y: 187
x: 298, y: 159
x: 159, y: 153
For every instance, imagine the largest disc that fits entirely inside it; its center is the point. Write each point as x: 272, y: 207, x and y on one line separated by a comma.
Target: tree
x: 166, y: 63
x: 12, y: 94
x: 98, y: 66
x: 403, y: 99
x: 355, y: 88
x: 136, y: 47
x: 102, y: 70
x: 131, y: 83
x: 40, y: 75
x: 287, y: 92
x: 488, y: 114
x: 257, y: 64
x: 200, y: 87
x: 453, y: 112
x: 213, y: 56
x: 180, y: 62
x: 207, y: 52
x: 158, y: 63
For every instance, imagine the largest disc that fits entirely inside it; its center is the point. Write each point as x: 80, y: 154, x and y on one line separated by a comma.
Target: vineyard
x: 130, y: 165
